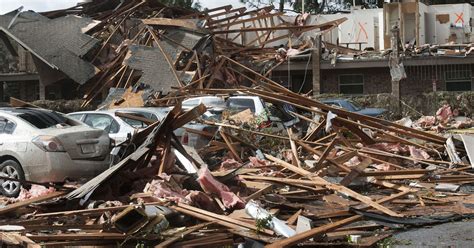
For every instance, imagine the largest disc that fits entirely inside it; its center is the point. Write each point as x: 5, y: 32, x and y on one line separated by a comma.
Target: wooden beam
x: 356, y: 171
x: 17, y: 205
x: 220, y: 219
x: 335, y: 187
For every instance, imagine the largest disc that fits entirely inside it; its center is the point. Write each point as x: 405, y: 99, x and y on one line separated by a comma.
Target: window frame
x: 2, y: 131
x: 351, y: 84
x: 454, y: 80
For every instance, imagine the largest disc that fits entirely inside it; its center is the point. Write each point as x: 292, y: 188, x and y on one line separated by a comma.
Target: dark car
x: 354, y: 107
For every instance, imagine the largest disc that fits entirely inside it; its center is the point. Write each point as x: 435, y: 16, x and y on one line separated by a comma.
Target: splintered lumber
x: 328, y: 227
x: 189, y: 116
x: 231, y: 147
x: 294, y: 217
x: 322, y: 158
x: 355, y: 172
x: 232, y: 17
x: 14, y: 102
x: 295, y: 160
x: 91, y: 211
x: 170, y: 22
x: 305, y: 28
x: 335, y: 187
x: 135, y: 117
x: 313, y: 232
x: 178, y: 236
x: 219, y: 219
x: 11, y: 239
x: 17, y: 205
x: 79, y: 236
x: 246, y: 20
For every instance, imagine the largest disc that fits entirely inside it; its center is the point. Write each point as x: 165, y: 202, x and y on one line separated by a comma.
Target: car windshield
x: 42, y: 119
x: 356, y: 106
x: 240, y: 104
x: 137, y: 123
x: 191, y: 102
x: 213, y: 102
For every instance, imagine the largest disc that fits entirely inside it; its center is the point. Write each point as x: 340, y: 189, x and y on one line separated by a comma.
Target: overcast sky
x: 44, y: 5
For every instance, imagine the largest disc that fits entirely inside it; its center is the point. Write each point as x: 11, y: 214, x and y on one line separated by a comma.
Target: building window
x: 351, y: 84
x: 458, y: 80
x: 282, y: 78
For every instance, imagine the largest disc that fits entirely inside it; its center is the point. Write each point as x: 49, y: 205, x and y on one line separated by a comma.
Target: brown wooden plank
x: 178, y: 236
x: 12, y: 207
x: 220, y: 219
x: 319, y: 165
x: 355, y: 172
x: 294, y: 217
x: 335, y: 187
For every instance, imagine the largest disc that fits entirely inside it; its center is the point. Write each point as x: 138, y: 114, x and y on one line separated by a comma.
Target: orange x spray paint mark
x: 362, y: 30
x: 459, y: 18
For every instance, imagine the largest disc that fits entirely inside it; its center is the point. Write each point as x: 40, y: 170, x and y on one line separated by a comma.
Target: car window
x: 136, y: 123
x: 356, y: 106
x: 191, y: 102
x: 41, y: 119
x: 77, y: 117
x: 213, y: 102
x: 238, y: 104
x: 281, y: 112
x: 101, y: 121
x: 6, y: 126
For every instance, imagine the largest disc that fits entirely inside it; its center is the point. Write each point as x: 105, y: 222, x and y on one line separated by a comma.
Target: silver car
x: 44, y: 146
x: 119, y: 128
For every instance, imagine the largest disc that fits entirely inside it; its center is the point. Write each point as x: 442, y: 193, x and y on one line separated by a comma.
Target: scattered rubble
x: 349, y: 176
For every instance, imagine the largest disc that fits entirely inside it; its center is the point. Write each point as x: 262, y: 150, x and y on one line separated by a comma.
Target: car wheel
x: 11, y: 169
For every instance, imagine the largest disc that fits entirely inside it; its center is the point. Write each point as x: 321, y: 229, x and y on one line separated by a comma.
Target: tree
x: 186, y: 4
x: 259, y: 3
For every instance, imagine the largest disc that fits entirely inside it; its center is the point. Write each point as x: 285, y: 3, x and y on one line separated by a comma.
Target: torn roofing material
x: 175, y: 41
x: 60, y: 43
x: 152, y: 62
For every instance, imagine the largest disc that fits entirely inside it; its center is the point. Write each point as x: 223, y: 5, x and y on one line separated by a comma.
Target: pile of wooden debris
x: 347, y: 179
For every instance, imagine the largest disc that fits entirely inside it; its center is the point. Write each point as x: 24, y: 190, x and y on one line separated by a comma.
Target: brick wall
x: 377, y: 80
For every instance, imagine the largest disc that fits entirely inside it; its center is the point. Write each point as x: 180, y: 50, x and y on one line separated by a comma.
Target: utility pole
x: 397, y: 71
x: 316, y: 65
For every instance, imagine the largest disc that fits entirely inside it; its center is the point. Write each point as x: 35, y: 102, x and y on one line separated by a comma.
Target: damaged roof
x: 60, y: 42
x: 152, y: 62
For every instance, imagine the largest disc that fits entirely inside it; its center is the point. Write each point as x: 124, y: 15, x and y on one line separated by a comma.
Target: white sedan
x: 44, y: 146
x: 118, y: 128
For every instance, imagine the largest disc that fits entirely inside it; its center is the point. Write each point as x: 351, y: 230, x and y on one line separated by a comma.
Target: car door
x: 3, y: 139
x: 107, y: 123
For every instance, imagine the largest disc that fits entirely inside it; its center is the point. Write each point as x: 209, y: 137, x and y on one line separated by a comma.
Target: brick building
x: 372, y: 76
x: 424, y: 74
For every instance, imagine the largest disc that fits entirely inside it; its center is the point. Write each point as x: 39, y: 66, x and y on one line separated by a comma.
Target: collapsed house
x: 435, y: 40
x: 345, y: 179
x: 352, y: 59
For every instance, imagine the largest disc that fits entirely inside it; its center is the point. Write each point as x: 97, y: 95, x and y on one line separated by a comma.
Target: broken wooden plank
x: 17, y: 205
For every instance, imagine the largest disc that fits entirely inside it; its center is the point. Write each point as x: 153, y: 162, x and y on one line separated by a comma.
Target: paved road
x: 455, y: 234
